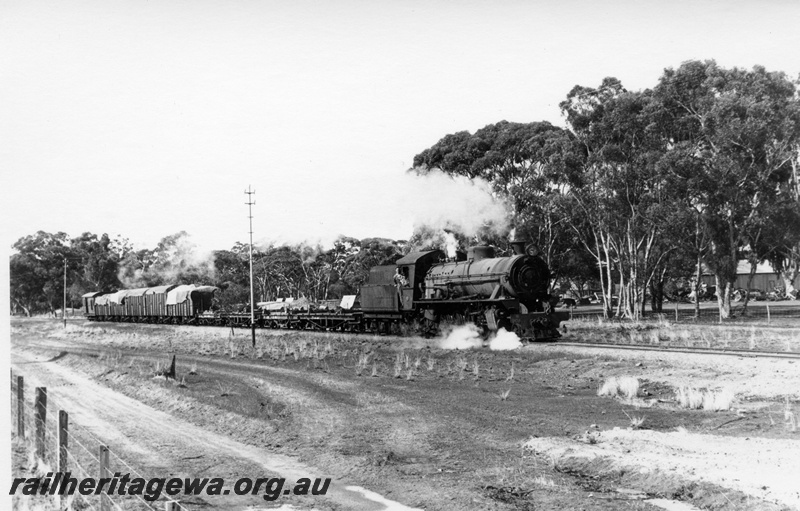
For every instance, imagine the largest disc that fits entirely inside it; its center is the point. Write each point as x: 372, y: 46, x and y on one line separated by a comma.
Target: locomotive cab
x: 414, y: 267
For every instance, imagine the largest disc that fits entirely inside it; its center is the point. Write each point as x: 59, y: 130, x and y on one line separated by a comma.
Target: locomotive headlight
x: 532, y: 250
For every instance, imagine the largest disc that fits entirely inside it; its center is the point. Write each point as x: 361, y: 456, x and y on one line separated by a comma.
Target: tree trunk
x: 750, y: 277
x: 698, y: 286
x: 788, y: 274
x: 723, y: 298
x: 22, y: 306
x: 657, y: 295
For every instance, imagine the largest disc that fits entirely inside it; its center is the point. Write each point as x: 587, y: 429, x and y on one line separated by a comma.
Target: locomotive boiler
x: 478, y: 287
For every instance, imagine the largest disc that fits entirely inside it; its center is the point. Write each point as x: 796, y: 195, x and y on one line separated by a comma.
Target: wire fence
x: 708, y: 312
x: 62, y: 451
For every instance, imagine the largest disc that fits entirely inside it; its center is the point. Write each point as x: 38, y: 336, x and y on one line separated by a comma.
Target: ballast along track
x: 666, y: 349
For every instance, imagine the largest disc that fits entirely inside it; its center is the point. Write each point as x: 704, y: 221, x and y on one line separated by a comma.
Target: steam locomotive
x: 422, y: 290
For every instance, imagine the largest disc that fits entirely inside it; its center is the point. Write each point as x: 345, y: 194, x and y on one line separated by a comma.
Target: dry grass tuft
x: 620, y: 386
x: 789, y: 417
x: 688, y: 397
x: 504, y: 394
x: 361, y: 363
x: 636, y: 422
x: 224, y: 390
x: 696, y: 399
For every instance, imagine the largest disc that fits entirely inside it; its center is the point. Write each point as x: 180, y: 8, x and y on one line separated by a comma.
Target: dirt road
x: 168, y: 446
x: 419, y: 426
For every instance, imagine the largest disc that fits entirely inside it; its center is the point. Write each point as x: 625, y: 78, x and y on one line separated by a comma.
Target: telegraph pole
x: 250, y: 203
x: 64, y: 307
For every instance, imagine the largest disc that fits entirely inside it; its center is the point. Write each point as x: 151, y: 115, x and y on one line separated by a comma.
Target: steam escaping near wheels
x: 468, y: 336
x: 504, y: 341
x: 462, y: 337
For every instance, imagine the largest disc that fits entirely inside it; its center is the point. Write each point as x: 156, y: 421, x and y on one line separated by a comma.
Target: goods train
x: 421, y: 290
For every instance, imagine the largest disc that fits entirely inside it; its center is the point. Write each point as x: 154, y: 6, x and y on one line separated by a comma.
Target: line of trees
x: 99, y: 263
x: 647, y: 186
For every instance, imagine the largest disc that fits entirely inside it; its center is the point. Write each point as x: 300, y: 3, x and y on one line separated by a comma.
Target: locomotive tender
x: 422, y: 289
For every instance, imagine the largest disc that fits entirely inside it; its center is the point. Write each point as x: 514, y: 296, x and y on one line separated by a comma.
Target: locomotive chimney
x: 518, y: 247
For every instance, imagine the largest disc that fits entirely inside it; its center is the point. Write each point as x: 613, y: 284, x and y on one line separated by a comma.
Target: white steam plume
x: 463, y: 337
x: 504, y: 340
x: 454, y: 203
x: 169, y: 263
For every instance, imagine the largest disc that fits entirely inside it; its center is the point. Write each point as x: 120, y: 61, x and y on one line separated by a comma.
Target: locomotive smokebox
x: 518, y: 247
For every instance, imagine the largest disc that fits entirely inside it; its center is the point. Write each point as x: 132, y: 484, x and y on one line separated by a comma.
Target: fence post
x: 171, y: 505
x: 63, y: 440
x: 20, y: 407
x: 676, y: 311
x: 104, y: 472
x: 41, y: 418
x: 63, y: 446
x: 11, y: 401
x: 768, y: 318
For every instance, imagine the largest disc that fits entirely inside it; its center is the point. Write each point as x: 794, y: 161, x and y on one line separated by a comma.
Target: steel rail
x: 666, y: 349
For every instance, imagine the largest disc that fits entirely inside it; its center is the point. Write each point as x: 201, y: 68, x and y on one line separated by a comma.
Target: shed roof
x: 743, y: 268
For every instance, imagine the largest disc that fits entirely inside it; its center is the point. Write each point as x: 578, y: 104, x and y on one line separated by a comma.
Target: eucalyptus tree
x: 782, y: 237
x: 36, y: 271
x: 621, y: 198
x: 527, y: 164
x: 739, y: 131
x: 96, y: 263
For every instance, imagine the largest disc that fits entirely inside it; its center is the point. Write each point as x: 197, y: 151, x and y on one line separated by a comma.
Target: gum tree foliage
x: 310, y: 271
x: 528, y: 165
x: 36, y: 272
x: 98, y: 263
x: 37, y: 269
x: 174, y: 260
x: 374, y: 252
x: 701, y: 170
x: 737, y: 132
x: 232, y: 271
x: 352, y: 259
x: 620, y: 199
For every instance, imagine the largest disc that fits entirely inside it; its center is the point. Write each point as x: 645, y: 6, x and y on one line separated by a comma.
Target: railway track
x: 666, y: 349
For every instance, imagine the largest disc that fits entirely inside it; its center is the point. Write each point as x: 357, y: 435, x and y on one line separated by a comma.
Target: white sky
x: 144, y: 118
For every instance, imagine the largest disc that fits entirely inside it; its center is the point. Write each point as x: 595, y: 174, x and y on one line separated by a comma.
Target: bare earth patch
x: 403, y: 421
